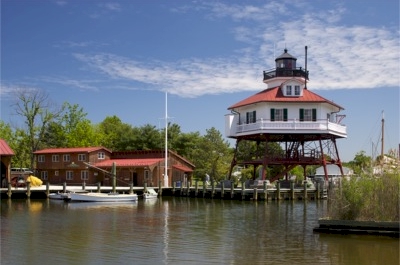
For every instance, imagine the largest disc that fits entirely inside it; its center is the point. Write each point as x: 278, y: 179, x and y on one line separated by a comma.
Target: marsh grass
x: 366, y: 198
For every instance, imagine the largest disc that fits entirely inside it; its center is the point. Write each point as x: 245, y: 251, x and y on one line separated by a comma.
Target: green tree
x: 361, y: 163
x: 38, y: 111
x: 117, y: 135
x: 213, y: 156
x: 148, y: 138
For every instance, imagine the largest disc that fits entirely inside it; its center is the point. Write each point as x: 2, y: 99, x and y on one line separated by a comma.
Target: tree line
x: 48, y: 125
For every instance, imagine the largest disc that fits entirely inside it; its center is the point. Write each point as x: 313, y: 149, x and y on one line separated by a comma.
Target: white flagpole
x: 166, y: 143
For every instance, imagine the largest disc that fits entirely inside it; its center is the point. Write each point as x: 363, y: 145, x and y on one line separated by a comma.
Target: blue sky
x: 208, y: 55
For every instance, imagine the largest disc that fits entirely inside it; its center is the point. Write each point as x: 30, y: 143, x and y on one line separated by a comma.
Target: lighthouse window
x: 288, y: 90
x: 297, y: 90
x: 308, y: 114
x: 279, y: 114
x: 251, y: 117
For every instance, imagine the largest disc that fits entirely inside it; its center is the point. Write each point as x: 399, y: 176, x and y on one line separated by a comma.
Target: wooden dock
x: 256, y: 193
x: 205, y: 191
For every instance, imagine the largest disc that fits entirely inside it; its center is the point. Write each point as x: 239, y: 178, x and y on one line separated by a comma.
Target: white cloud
x: 339, y: 56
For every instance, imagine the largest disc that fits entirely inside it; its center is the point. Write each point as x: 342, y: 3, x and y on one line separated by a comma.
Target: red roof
x: 183, y: 168
x: 5, y: 150
x: 129, y: 162
x: 71, y: 150
x: 275, y: 95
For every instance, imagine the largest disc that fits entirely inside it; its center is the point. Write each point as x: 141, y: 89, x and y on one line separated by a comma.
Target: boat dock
x: 206, y: 191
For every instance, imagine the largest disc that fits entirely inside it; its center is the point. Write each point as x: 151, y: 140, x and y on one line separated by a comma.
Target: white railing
x: 320, y: 126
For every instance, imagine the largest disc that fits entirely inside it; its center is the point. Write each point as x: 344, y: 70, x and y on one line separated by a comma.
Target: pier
x: 214, y: 190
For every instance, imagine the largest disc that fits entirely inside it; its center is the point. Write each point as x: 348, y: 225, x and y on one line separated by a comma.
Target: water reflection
x: 179, y: 231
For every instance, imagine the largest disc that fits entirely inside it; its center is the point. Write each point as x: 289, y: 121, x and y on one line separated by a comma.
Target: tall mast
x: 166, y: 139
x: 383, y: 135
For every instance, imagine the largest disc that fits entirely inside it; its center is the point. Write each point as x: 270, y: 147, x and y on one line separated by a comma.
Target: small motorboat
x: 150, y: 194
x: 102, y: 197
x: 59, y: 196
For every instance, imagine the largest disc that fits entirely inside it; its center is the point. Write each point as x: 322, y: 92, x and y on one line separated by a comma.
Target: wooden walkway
x: 241, y: 193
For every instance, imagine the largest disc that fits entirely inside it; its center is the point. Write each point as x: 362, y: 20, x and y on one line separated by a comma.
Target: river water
x: 180, y: 230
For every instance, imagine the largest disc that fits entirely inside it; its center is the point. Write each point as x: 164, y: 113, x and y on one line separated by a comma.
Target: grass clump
x: 366, y: 198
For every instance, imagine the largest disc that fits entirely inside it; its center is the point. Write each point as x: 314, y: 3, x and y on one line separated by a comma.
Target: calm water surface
x: 180, y: 231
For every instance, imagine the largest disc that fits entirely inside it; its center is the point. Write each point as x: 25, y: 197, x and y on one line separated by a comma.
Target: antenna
x: 305, y: 78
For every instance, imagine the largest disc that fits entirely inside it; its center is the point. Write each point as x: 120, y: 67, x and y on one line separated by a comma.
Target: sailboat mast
x: 166, y: 139
x: 383, y: 135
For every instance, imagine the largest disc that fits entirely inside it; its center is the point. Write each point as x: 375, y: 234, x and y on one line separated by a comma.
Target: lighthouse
x: 285, y: 125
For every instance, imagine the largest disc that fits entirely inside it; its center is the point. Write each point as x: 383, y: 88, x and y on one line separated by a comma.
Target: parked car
x: 18, y: 181
x: 21, y: 171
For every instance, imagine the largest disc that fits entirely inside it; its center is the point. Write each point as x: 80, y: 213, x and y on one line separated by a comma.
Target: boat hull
x: 59, y: 196
x: 102, y: 197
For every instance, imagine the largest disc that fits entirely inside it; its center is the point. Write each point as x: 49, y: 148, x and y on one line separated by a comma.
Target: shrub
x: 366, y: 198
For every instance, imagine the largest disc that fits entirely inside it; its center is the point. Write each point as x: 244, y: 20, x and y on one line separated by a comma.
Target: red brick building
x: 91, y: 164
x: 6, y: 153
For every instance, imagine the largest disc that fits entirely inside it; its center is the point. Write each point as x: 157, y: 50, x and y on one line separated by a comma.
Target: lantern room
x: 286, y: 61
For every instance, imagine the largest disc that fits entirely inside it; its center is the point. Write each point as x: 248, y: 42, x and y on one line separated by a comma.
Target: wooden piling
x: 65, y: 187
x: 9, y: 192
x: 278, y: 190
x: 255, y: 194
x: 188, y: 188
x: 28, y: 189
x: 265, y: 187
x: 196, y: 188
x: 305, y: 190
x: 173, y: 187
x: 212, y: 188
x: 83, y: 185
x: 204, y: 187
x: 47, y: 189
x: 243, y: 191
x: 131, y: 189
x: 98, y: 187
x: 292, y: 190
x: 232, y: 190
x: 222, y: 189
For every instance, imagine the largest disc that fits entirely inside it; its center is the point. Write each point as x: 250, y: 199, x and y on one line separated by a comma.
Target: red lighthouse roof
x: 275, y: 95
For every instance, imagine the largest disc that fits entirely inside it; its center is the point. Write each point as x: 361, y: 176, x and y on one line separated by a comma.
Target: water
x: 180, y: 231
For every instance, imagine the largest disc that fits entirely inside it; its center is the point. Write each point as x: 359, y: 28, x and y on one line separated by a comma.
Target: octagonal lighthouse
x: 304, y: 124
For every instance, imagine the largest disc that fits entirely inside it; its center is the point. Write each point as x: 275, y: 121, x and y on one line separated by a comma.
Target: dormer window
x: 288, y: 90
x: 297, y: 90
